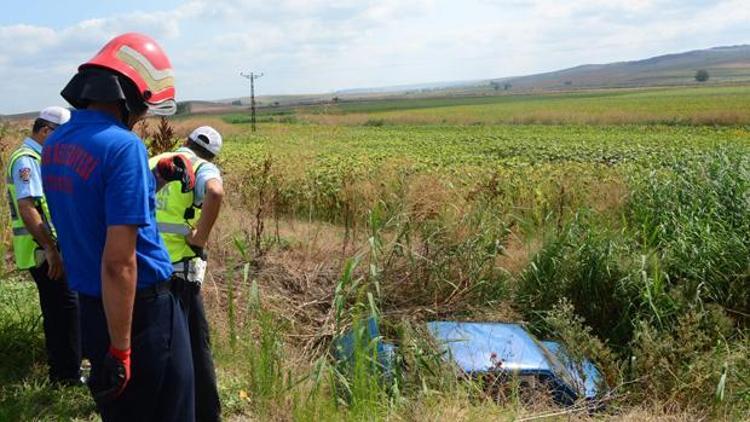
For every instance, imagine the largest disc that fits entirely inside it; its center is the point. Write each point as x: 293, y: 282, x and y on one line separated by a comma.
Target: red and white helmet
x: 139, y: 58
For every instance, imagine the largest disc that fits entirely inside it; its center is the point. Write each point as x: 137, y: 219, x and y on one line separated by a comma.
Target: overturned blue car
x: 497, y: 353
x: 508, y: 351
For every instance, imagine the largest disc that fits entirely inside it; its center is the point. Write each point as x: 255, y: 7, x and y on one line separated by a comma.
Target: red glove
x: 177, y: 168
x: 111, y: 376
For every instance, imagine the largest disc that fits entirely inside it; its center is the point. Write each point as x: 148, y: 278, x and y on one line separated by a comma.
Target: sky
x: 319, y: 46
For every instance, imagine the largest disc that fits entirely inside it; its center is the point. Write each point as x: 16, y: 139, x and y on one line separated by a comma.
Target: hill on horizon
x: 724, y: 64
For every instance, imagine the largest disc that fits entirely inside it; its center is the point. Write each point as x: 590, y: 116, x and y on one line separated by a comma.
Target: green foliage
x: 662, y: 288
x: 339, y: 175
x: 37, y: 399
x: 582, y: 264
x: 374, y: 123
x: 264, y: 351
x: 262, y: 116
x: 638, y: 225
x: 697, y: 363
x: 564, y: 324
x: 25, y: 392
x: 20, y: 329
x: 697, y: 214
x: 235, y: 119
x: 183, y: 107
x: 708, y: 105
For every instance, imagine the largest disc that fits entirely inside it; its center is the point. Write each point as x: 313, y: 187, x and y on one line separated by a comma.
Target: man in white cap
x: 35, y: 249
x: 185, y: 220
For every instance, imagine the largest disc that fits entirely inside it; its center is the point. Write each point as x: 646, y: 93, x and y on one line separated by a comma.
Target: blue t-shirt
x: 95, y: 174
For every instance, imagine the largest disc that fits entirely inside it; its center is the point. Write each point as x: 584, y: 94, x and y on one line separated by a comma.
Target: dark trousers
x: 161, y: 385
x: 61, y: 327
x: 207, y: 404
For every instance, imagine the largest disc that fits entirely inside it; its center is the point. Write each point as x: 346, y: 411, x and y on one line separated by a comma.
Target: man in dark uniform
x: 35, y: 249
x: 101, y: 194
x: 185, y: 221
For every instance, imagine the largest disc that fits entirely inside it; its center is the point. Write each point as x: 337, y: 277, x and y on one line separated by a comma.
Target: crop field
x: 617, y: 222
x: 723, y: 105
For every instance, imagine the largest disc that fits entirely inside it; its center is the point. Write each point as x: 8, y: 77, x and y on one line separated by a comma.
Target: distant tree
x: 237, y: 102
x: 182, y: 108
x: 568, y: 83
x: 496, y: 85
x: 702, y: 75
x: 335, y: 100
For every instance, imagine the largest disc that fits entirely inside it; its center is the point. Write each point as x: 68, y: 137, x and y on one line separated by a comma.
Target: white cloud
x: 25, y: 39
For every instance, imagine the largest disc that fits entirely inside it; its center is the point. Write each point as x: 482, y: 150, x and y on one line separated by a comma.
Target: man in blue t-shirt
x: 101, y: 194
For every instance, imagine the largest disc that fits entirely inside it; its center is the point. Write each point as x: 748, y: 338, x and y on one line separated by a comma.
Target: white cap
x: 56, y: 115
x: 207, y: 137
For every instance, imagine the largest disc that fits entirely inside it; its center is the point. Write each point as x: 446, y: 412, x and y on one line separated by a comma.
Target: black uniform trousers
x: 207, y: 404
x: 161, y: 385
x: 61, y: 326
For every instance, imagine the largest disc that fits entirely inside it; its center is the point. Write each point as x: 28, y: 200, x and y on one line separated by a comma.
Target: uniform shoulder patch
x: 25, y: 174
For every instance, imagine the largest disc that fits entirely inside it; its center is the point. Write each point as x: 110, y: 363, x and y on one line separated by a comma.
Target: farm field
x: 713, y: 104
x: 614, y: 221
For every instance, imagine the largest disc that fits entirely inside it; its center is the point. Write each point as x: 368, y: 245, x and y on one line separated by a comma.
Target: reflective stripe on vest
x: 20, y: 231
x: 173, y: 228
x: 24, y: 245
x: 23, y: 231
x: 171, y: 208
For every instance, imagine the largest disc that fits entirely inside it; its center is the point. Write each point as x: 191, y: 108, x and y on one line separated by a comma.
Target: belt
x: 179, y: 266
x: 153, y: 290
x: 147, y: 292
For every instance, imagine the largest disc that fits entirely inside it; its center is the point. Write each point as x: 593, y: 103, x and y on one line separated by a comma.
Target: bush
x: 562, y: 323
x: 668, y: 289
x: 695, y: 364
x: 582, y: 264
x: 374, y: 123
x: 697, y: 215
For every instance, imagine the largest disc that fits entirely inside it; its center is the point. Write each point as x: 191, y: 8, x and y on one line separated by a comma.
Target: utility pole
x: 252, y: 77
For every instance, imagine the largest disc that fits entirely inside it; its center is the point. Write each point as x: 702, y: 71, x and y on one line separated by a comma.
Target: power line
x: 252, y: 77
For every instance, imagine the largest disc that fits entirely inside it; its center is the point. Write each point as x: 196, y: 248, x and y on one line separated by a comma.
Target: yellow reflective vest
x: 24, y: 245
x: 176, y: 212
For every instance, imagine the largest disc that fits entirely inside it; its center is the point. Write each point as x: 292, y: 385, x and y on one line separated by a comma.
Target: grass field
x: 616, y: 222
x: 695, y: 105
